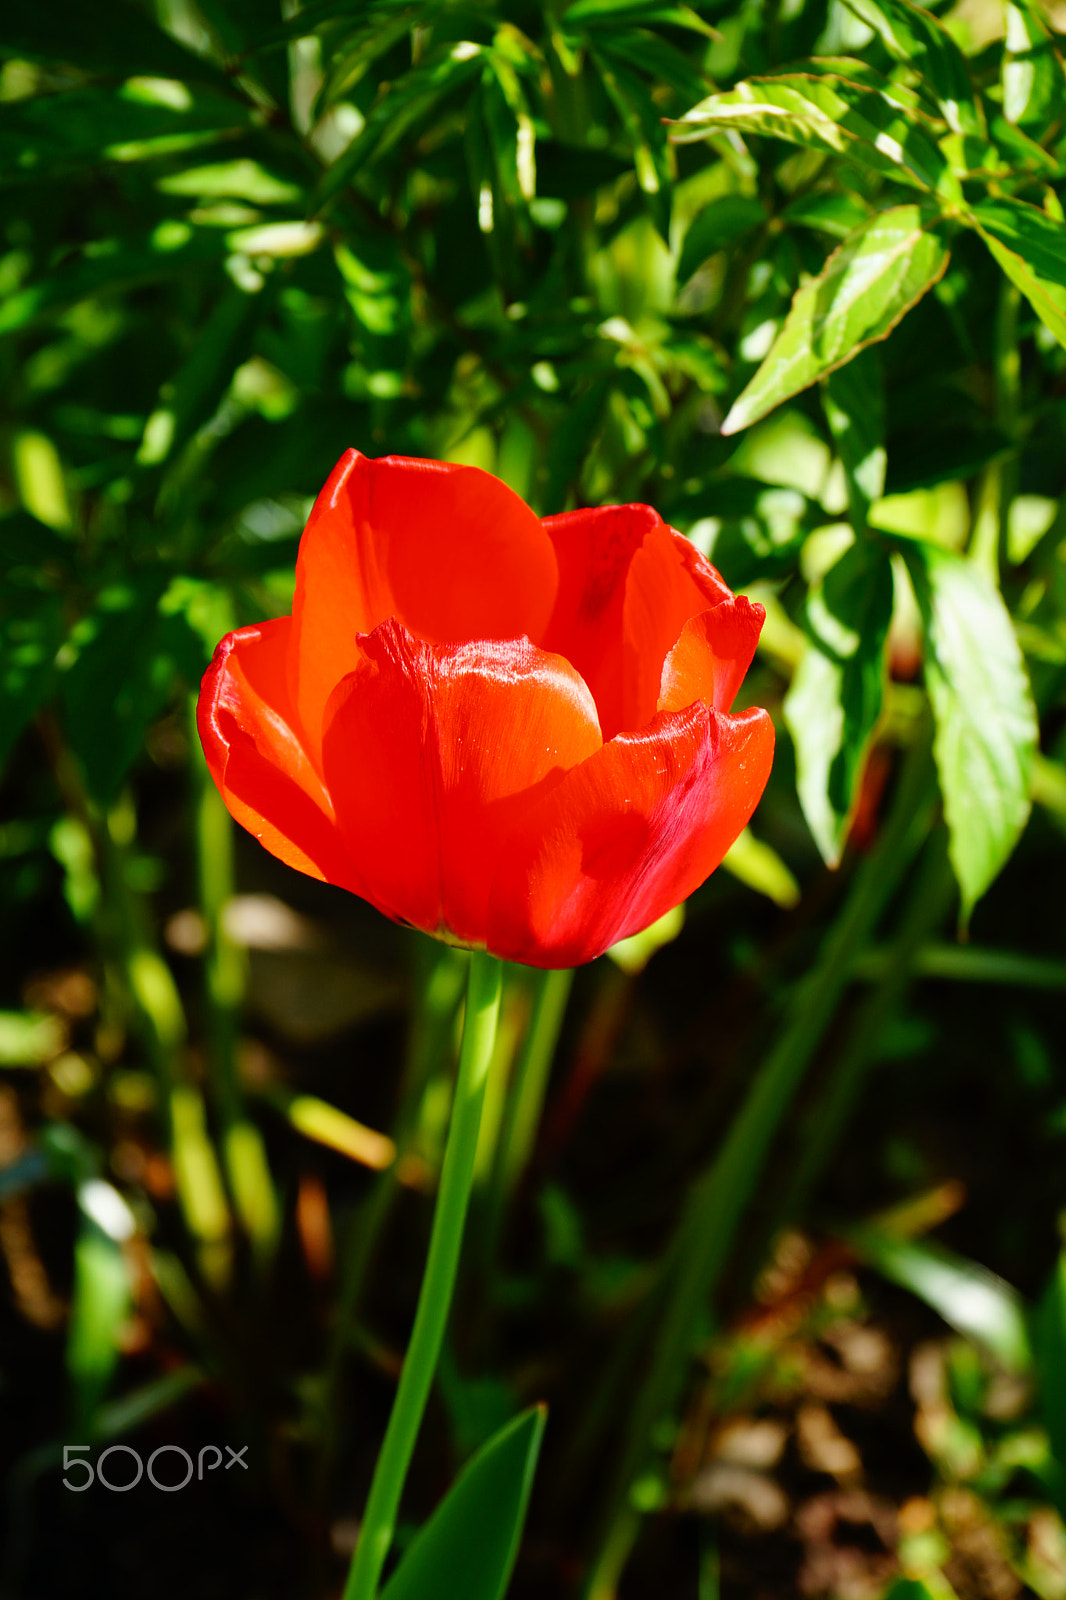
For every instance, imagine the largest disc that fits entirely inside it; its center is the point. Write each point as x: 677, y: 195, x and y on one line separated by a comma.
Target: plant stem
x: 717, y: 1201
x: 525, y: 1100
x: 434, y: 1300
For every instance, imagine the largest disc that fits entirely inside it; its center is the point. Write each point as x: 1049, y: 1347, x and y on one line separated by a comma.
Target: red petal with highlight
x: 256, y: 755
x: 628, y: 835
x: 433, y: 756
x: 711, y: 657
x: 627, y: 586
x: 449, y: 551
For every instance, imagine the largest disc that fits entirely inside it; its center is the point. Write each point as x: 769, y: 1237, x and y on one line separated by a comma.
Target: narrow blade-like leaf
x: 467, y: 1548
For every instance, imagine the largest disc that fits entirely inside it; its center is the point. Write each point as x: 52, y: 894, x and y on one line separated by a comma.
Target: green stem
x: 716, y: 1204
x: 247, y: 1168
x: 434, y: 1301
x: 440, y: 989
x: 525, y: 1100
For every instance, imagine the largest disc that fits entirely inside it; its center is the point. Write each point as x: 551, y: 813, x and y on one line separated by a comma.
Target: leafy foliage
x: 796, y: 275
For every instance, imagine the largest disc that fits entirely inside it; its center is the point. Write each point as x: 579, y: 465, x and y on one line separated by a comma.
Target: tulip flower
x: 511, y: 732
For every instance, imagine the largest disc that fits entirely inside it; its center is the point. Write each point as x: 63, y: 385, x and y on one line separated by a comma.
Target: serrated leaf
x: 1030, y: 246
x: 467, y: 1549
x: 835, y: 699
x: 986, y: 724
x: 914, y: 35
x: 866, y: 286
x: 824, y: 113
x: 1034, y: 87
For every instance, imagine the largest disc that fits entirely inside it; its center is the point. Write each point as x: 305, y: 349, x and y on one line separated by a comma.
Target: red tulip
x: 510, y: 732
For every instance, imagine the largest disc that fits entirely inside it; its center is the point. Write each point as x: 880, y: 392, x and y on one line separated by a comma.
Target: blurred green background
x: 769, y: 1202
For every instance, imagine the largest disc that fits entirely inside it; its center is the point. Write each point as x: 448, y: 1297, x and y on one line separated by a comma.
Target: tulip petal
x: 256, y: 755
x: 628, y: 835
x: 448, y: 550
x: 627, y: 586
x: 669, y: 582
x: 433, y: 754
x: 709, y: 660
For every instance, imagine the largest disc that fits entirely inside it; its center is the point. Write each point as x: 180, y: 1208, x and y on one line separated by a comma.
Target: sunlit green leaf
x: 836, y: 695
x: 970, y: 1299
x: 914, y: 35
x: 1034, y: 87
x: 824, y: 113
x: 867, y: 285
x: 986, y: 727
x: 1030, y: 246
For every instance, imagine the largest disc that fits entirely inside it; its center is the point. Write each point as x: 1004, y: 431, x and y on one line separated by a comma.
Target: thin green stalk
x: 930, y: 898
x: 720, y: 1196
x: 442, y: 1262
x: 439, y: 992
x: 247, y: 1168
x: 525, y: 1100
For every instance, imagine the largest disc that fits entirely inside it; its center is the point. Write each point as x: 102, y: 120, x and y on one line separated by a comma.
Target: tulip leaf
x: 835, y: 699
x: 986, y: 725
x: 1034, y: 86
x: 827, y: 113
x: 866, y: 286
x: 914, y: 35
x: 468, y: 1547
x: 1030, y: 246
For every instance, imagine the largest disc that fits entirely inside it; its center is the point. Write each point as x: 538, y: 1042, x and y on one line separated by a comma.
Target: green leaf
x: 468, y: 1547
x: 100, y: 1305
x: 191, y: 396
x: 931, y: 1586
x: 1049, y: 1332
x: 120, y: 41
x: 720, y: 224
x: 83, y: 127
x: 866, y: 286
x: 824, y: 113
x: 622, y: 13
x: 854, y: 401
x: 129, y: 651
x: 169, y: 251
x: 1032, y: 72
x: 913, y: 35
x: 414, y: 96
x: 986, y: 725
x: 972, y: 1300
x: 1030, y: 246
x: 32, y: 628
x: 835, y: 699
x: 642, y: 121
